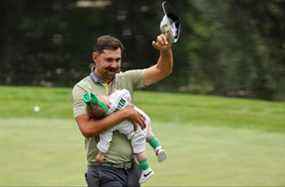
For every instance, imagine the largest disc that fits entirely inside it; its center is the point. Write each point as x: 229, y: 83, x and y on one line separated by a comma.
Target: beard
x: 111, y: 72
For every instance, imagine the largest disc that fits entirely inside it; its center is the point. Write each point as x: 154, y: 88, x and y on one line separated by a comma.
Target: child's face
x: 98, y: 112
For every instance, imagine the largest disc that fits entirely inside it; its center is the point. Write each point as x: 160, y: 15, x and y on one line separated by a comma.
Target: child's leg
x: 138, y: 139
x: 142, y: 161
x: 155, y: 144
x: 138, y: 144
x: 152, y: 139
x: 159, y: 152
x: 103, y: 145
x: 144, y: 166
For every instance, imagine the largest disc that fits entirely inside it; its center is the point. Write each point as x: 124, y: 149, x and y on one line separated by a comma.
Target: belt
x: 125, y: 165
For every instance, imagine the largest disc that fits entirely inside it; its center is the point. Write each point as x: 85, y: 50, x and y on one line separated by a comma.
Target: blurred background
x: 228, y: 48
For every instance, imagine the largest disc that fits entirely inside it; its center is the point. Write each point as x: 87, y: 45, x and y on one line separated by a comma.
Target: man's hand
x: 135, y: 117
x: 161, y: 43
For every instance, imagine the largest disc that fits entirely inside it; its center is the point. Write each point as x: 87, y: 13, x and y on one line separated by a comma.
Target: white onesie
x: 119, y: 100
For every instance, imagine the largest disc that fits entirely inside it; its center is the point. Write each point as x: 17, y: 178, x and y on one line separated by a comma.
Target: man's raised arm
x: 164, y: 64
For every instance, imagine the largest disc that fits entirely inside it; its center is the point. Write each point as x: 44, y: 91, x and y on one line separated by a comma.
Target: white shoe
x: 146, y: 174
x: 161, y: 155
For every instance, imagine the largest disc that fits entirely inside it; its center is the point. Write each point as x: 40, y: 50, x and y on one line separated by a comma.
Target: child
x: 103, y: 106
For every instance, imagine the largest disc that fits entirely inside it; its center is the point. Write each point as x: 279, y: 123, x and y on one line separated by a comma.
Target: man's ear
x: 94, y: 56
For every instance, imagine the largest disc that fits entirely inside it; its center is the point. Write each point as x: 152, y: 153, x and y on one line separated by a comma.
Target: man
x: 118, y: 168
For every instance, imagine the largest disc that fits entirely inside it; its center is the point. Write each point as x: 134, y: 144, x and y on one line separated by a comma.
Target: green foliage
x: 241, y: 48
x: 232, y: 48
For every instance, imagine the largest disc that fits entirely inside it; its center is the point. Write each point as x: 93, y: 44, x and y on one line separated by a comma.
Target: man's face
x: 108, y: 63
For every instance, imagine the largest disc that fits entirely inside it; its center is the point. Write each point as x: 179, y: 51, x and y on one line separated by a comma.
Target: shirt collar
x: 95, y: 78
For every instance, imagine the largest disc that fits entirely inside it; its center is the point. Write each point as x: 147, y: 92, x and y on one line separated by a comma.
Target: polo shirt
x: 120, y: 150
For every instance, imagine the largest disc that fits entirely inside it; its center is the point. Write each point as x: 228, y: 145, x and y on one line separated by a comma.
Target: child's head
x: 97, y: 106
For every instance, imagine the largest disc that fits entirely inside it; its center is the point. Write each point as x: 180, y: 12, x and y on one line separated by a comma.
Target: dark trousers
x: 106, y: 176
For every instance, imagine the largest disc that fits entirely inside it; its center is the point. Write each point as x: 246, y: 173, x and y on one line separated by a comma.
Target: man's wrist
x: 124, y: 114
x: 165, y: 51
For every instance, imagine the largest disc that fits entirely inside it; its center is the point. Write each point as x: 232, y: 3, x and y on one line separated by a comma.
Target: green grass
x: 210, y: 141
x: 17, y: 102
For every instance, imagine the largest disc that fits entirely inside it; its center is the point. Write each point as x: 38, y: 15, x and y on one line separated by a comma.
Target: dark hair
x: 108, y: 42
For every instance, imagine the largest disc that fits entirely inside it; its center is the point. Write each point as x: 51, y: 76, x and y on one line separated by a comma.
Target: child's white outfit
x: 119, y: 100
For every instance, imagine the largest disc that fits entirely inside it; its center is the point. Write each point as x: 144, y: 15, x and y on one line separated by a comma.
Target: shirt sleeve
x: 135, y: 77
x: 79, y: 106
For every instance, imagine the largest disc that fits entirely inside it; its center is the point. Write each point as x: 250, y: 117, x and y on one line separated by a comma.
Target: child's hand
x: 100, y: 158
